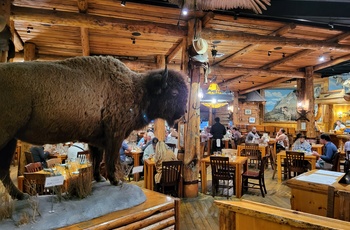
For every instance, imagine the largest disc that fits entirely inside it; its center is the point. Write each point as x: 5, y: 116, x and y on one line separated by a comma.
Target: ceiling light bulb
x: 213, y: 101
x: 184, y: 11
x: 123, y: 3
x: 321, y: 58
x: 200, y: 94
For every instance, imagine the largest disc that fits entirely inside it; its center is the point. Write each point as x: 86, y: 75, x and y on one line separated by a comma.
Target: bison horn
x: 165, y: 78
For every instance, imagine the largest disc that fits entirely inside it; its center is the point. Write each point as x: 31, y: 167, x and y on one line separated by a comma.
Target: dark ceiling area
x: 331, y: 14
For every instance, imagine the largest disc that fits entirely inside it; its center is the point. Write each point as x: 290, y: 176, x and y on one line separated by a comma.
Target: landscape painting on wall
x: 281, y: 105
x: 337, y: 82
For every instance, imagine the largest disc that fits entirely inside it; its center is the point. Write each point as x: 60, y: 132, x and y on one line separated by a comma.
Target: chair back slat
x: 83, y: 156
x: 220, y: 167
x: 336, y: 162
x: 53, y: 161
x: 34, y: 183
x: 295, y: 162
x: 33, y: 167
x: 29, y: 157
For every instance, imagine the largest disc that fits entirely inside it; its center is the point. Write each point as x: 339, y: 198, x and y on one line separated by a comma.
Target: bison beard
x: 96, y: 100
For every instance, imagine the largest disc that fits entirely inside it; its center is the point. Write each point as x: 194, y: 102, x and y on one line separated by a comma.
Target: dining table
x: 240, y: 165
x: 282, y: 155
x: 68, y: 171
x: 317, y: 147
x: 136, y: 155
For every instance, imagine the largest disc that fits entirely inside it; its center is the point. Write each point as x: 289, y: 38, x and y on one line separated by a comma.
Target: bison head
x: 167, y: 94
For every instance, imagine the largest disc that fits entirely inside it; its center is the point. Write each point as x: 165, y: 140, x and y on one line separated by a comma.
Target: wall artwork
x: 251, y: 120
x: 281, y: 105
x: 338, y: 82
x: 247, y: 111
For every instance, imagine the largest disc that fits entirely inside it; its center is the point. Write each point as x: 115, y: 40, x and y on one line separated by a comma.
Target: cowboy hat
x: 200, y: 45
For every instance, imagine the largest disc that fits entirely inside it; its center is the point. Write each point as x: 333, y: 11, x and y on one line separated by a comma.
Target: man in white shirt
x: 73, y: 151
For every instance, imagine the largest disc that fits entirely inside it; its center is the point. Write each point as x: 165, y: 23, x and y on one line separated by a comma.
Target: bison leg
x: 97, y: 155
x: 7, y: 154
x: 112, y: 159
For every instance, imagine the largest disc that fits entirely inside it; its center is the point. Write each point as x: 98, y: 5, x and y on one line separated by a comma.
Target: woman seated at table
x: 162, y: 153
x: 282, y: 140
x: 301, y: 144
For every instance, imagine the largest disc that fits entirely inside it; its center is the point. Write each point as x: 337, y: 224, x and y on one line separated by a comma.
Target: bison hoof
x: 23, y: 196
x: 100, y: 178
x: 114, y: 182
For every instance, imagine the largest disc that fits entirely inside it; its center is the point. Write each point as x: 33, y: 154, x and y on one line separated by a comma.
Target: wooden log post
x: 5, y: 9
x: 159, y: 124
x: 235, y: 109
x: 29, y: 51
x: 192, y: 140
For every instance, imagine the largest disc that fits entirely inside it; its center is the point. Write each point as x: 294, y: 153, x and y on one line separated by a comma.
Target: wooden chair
x: 336, y: 162
x: 221, y: 172
x: 255, y: 175
x: 295, y: 163
x: 253, y: 153
x: 53, y: 161
x: 230, y: 152
x: 270, y: 130
x: 34, y: 183
x: 171, y: 146
x: 171, y: 174
x: 273, y: 158
x: 347, y: 162
x: 29, y: 157
x: 33, y: 167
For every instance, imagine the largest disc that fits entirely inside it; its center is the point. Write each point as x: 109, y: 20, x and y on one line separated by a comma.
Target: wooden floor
x: 200, y: 213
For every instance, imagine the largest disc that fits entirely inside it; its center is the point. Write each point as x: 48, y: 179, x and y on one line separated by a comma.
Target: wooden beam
x: 211, y: 34
x: 292, y: 57
x: 283, y: 30
x: 339, y: 37
x: 208, y: 17
x: 258, y: 72
x: 265, y: 85
x: 29, y: 51
x: 54, y: 17
x: 84, y: 37
x: 82, y: 6
x: 172, y: 55
x: 333, y: 62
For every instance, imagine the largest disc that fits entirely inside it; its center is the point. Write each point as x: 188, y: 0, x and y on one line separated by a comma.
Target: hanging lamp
x: 215, y: 98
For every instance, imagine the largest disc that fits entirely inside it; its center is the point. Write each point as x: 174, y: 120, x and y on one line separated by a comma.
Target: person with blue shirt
x: 301, y: 144
x: 329, y: 151
x: 125, y: 148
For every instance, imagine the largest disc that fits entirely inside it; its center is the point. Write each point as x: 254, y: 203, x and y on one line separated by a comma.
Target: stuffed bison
x: 97, y: 100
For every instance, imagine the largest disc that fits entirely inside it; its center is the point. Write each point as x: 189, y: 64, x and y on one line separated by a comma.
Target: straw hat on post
x: 200, y: 45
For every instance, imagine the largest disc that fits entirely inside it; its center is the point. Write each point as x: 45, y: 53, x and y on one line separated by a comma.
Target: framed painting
x: 339, y: 82
x: 247, y: 111
x: 281, y: 105
x: 251, y: 120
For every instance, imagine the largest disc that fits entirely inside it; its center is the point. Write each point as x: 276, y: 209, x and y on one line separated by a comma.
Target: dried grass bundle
x: 255, y: 5
x: 81, y: 186
x: 6, y: 204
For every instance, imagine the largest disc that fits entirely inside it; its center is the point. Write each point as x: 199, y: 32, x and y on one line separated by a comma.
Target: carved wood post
x: 159, y: 124
x: 5, y: 9
x: 29, y: 51
x: 235, y: 109
x: 193, y: 119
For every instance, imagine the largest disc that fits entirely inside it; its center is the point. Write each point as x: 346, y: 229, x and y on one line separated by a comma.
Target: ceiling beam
x: 283, y: 30
x: 173, y: 53
x: 265, y: 85
x: 240, y: 37
x: 54, y: 17
x: 208, y: 17
x: 332, y: 62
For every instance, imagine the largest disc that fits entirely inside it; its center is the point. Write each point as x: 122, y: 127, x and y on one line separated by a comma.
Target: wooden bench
x: 251, y: 215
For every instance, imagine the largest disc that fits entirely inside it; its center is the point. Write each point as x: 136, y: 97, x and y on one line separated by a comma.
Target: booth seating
x: 245, y: 214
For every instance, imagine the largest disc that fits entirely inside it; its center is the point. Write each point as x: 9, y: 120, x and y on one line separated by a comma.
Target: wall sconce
x: 340, y: 114
x: 302, y: 109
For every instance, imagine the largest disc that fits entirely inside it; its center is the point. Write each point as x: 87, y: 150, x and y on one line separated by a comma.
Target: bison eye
x: 174, y: 93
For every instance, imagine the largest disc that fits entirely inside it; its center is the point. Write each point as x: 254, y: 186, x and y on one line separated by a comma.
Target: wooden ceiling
x: 257, y: 53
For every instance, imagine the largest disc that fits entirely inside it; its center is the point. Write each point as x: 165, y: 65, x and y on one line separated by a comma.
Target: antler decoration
x: 255, y: 5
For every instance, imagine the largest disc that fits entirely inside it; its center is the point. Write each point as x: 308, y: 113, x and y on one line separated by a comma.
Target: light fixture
x: 321, y: 58
x: 123, y: 3
x: 283, y: 55
x: 340, y: 114
x: 215, y: 97
x: 302, y: 110
x: 268, y: 53
x: 184, y: 11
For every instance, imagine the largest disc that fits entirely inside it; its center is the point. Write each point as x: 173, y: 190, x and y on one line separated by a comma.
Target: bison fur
x: 96, y: 100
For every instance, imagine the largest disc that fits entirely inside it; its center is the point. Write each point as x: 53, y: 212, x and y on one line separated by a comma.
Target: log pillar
x: 159, y: 124
x: 192, y: 138
x: 235, y: 109
x: 29, y: 51
x: 306, y: 98
x: 5, y: 9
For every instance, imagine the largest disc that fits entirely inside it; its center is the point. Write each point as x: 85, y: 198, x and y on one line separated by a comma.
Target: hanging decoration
x: 255, y: 5
x: 215, y: 98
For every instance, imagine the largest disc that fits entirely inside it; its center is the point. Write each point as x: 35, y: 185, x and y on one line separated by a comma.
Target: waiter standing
x: 218, y: 131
